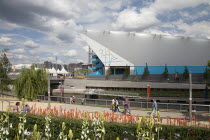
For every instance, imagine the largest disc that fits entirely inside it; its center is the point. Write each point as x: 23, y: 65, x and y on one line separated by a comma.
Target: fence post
x: 2, y: 105
x: 167, y: 107
x: 209, y: 109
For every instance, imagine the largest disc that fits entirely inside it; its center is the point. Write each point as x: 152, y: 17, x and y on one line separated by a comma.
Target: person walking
x: 127, y: 106
x: 154, y: 108
x: 116, y: 105
x: 112, y: 105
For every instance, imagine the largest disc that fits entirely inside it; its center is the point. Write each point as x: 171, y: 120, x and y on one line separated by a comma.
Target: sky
x: 35, y: 31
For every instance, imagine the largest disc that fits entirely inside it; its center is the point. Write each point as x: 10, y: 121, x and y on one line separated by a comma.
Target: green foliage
x: 206, y: 74
x: 146, y: 73
x: 126, y: 72
x: 108, y: 73
x: 185, y: 74
x: 165, y: 73
x: 31, y: 83
x: 113, y: 129
x: 5, y: 81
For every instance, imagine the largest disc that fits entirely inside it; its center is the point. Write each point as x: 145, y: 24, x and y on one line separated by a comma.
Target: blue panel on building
x: 99, y: 72
x: 138, y: 70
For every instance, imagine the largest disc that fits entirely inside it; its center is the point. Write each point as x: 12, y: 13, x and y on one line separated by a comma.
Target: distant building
x: 48, y: 65
x: 77, y: 66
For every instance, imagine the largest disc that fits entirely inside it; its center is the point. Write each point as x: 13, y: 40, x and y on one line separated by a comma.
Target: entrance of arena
x: 120, y: 70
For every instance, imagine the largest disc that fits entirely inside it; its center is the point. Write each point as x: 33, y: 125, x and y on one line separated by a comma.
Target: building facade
x: 114, y: 51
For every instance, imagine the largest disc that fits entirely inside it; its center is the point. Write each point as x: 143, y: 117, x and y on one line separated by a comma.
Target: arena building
x: 117, y: 51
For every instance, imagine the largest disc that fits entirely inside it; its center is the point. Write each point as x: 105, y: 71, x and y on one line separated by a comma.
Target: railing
x: 2, y: 104
x: 96, y: 61
x: 98, y: 66
x: 133, y: 104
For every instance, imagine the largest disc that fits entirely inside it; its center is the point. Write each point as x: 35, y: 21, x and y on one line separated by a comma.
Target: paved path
x: 135, y: 112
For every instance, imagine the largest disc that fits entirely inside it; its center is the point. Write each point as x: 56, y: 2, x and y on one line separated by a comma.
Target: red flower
x: 191, y: 132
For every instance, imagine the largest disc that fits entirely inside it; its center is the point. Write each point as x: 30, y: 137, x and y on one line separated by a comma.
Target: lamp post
x: 190, y: 96
x: 61, y: 90
x: 48, y: 90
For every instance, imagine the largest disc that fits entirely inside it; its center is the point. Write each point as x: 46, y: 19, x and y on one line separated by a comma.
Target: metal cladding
x: 137, y: 49
x: 156, y: 50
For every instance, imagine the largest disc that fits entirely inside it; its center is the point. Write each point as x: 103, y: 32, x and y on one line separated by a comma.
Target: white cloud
x: 86, y: 48
x: 196, y: 29
x: 138, y: 19
x: 30, y: 44
x: 18, y: 51
x: 130, y: 19
x: 71, y: 53
x: 6, y: 41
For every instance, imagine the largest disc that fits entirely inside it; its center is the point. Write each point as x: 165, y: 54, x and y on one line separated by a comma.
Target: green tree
x: 165, y: 73
x: 206, y: 74
x: 108, y: 73
x: 5, y: 81
x: 126, y: 72
x: 146, y: 73
x: 31, y: 83
x: 185, y: 74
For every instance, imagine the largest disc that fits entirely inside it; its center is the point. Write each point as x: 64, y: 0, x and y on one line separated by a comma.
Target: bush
x: 113, y: 129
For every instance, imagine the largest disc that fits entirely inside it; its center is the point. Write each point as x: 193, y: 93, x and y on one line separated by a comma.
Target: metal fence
x: 133, y: 104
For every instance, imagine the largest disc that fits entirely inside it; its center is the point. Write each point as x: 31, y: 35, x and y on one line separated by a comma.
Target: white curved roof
x: 153, y: 49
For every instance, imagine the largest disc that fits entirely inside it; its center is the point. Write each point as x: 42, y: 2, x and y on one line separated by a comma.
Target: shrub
x: 113, y: 129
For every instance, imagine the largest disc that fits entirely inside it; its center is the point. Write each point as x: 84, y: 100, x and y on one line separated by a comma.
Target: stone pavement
x: 135, y: 112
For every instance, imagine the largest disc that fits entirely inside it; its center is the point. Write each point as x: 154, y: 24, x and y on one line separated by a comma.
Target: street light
x: 190, y: 96
x: 48, y: 90
x: 60, y: 90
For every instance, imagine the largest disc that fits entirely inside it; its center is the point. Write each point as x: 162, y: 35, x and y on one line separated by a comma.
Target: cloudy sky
x: 39, y: 30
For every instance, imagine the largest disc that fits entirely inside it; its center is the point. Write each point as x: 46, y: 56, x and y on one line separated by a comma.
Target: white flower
x: 87, y: 131
x: 7, y: 133
x: 103, y: 130
x: 25, y: 132
x: 10, y: 125
x: 19, y: 131
x: 82, y: 137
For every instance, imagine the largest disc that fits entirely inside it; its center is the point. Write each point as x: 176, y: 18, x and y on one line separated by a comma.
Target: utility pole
x: 48, y: 90
x: 56, y: 64
x: 190, y: 96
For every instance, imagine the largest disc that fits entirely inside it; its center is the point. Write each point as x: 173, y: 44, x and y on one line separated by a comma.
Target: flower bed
x: 59, y: 128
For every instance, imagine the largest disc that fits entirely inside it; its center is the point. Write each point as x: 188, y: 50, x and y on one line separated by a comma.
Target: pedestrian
x: 127, y: 106
x: 17, y: 107
x: 112, y: 104
x: 154, y: 108
x: 73, y: 99
x: 117, y: 105
x: 82, y: 101
x: 26, y: 108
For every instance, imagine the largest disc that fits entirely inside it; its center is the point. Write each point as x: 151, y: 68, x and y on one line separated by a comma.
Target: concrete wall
x: 82, y: 84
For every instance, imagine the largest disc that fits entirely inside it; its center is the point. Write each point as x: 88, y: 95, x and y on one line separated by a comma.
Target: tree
x: 108, y: 73
x: 126, y: 72
x: 165, y: 73
x: 146, y: 73
x: 5, y: 81
x: 31, y: 83
x: 206, y: 74
x: 185, y: 74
